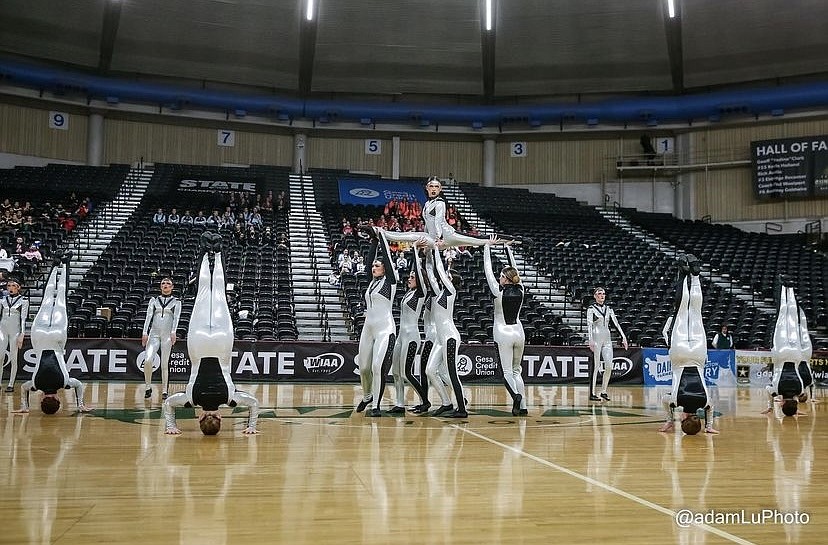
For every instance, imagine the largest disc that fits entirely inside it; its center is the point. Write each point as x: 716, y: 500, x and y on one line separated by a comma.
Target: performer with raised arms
x: 507, y: 330
x: 409, y: 339
x: 442, y: 361
x: 210, y: 347
x: 376, y: 342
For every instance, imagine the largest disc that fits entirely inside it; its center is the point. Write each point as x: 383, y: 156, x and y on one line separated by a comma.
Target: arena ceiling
x: 433, y: 48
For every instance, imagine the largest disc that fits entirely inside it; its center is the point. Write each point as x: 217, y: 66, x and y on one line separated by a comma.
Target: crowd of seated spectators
x: 21, y: 224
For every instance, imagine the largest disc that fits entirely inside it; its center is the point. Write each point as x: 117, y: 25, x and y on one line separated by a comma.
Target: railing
x: 772, y: 227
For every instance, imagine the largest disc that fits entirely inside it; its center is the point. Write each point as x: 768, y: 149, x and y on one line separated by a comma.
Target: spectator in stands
x: 599, y: 317
x: 210, y: 347
x: 20, y: 246
x: 173, y: 218
x: 283, y: 242
x: 282, y: 202
x: 402, y: 263
x: 28, y: 225
x: 342, y: 256
x: 347, y: 229
x: 160, y: 218
x: 359, y: 263
x: 200, y: 219
x: 256, y: 219
x: 334, y: 279
x: 33, y: 255
x: 239, y: 234
x: 213, y: 220
x: 187, y: 218
x: 723, y: 340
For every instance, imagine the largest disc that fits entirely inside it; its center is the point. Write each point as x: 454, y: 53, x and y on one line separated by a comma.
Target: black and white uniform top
x: 14, y: 311
x: 163, y: 314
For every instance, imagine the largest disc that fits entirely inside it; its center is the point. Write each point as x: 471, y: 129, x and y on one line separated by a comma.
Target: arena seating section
x: 580, y: 249
x: 572, y: 244
x: 50, y: 191
x: 128, y: 272
x: 754, y: 261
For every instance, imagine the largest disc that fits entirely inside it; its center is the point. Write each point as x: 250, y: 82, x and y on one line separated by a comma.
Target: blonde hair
x: 511, y: 274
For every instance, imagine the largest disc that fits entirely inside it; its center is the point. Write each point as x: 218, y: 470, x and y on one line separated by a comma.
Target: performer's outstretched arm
x: 176, y: 400
x: 78, y: 387
x: 491, y: 279
x: 618, y: 327
x: 246, y: 400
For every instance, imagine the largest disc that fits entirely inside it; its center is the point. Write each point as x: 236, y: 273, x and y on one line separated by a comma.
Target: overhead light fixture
x: 309, y: 12
x: 671, y: 8
x: 488, y: 14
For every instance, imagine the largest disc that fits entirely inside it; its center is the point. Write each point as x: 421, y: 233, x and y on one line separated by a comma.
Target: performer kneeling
x: 210, y: 346
x: 49, y: 332
x: 790, y: 345
x: 688, y: 354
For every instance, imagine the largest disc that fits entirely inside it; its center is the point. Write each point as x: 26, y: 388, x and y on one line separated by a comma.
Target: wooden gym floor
x: 571, y: 472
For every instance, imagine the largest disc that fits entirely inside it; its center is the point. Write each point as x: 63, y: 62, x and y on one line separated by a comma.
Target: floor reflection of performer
x: 379, y: 333
x: 791, y: 443
x: 788, y: 352
x: 409, y: 341
x: 49, y: 333
x: 43, y: 462
x: 688, y: 354
x: 210, y: 346
x: 507, y: 331
x: 689, y: 487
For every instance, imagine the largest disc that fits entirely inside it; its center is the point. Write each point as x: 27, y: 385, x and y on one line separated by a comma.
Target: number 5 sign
x: 519, y: 149
x: 373, y: 147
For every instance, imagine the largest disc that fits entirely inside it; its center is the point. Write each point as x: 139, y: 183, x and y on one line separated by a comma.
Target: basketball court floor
x: 570, y: 472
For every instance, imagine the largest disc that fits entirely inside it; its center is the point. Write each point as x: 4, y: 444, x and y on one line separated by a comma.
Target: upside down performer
x: 791, y: 344
x: 210, y: 346
x: 49, y: 333
x: 507, y: 330
x: 688, y: 354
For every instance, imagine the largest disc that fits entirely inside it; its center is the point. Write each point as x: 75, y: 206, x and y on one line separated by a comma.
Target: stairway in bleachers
x: 90, y: 240
x: 319, y: 311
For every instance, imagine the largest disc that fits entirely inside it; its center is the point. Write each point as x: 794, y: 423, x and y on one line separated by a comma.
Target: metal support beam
x: 109, y: 31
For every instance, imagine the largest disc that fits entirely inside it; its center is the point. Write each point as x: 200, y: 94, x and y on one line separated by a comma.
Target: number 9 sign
x: 59, y: 120
x: 519, y: 149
